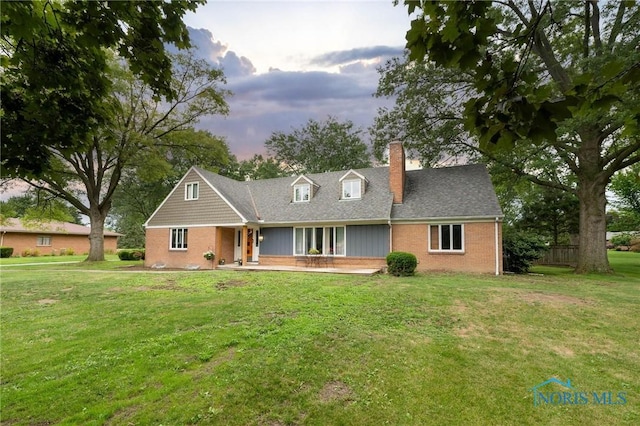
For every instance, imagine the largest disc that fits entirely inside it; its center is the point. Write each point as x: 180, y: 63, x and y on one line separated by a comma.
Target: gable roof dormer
x: 353, y: 185
x: 303, y: 189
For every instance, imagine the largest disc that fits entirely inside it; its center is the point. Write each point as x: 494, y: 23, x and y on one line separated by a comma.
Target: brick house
x: 51, y: 237
x: 449, y: 218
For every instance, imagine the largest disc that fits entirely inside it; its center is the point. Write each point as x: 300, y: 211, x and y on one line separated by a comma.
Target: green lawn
x: 267, y: 348
x: 49, y: 259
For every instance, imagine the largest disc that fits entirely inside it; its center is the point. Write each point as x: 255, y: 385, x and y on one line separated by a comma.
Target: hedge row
x: 6, y: 251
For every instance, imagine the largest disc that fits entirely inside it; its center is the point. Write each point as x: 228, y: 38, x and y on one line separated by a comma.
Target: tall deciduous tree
x: 150, y: 178
x: 138, y: 133
x: 55, y: 78
x: 320, y: 147
x: 559, y: 79
x: 258, y: 167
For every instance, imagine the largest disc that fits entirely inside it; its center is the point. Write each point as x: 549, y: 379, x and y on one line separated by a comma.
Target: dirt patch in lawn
x: 207, y: 368
x: 47, y: 301
x: 172, y: 287
x: 557, y: 299
x: 538, y: 297
x: 224, y: 285
x: 336, y: 391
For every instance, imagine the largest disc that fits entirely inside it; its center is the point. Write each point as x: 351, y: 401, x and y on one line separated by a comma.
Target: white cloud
x: 288, y: 62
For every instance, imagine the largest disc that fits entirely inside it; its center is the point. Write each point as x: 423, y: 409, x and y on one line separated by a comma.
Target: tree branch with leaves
x: 560, y: 77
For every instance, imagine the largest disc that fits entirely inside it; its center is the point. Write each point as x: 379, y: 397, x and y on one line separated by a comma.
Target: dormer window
x: 353, y: 185
x: 191, y: 191
x: 351, y: 189
x: 303, y: 189
x: 301, y: 192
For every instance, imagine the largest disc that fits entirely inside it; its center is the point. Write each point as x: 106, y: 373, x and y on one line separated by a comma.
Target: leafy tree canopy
x: 626, y: 187
x: 320, y: 147
x: 142, y: 137
x: 622, y: 221
x: 257, y: 167
x: 151, y: 178
x: 552, y: 82
x: 39, y: 206
x: 56, y: 78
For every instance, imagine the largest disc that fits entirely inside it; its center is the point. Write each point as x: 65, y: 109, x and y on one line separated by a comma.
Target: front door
x: 249, y: 244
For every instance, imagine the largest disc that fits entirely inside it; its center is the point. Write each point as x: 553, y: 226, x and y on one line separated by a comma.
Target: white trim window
x: 329, y: 240
x: 43, y: 241
x: 351, y: 189
x: 179, y: 239
x: 191, y: 191
x: 447, y: 237
x: 301, y: 192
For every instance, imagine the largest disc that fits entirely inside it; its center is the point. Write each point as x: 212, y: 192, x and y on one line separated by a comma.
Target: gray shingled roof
x: 448, y: 192
x: 236, y: 192
x: 451, y: 192
x: 273, y: 198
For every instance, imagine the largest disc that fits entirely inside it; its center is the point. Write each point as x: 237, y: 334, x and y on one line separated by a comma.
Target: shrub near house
x: 401, y: 264
x: 627, y: 241
x: 130, y: 254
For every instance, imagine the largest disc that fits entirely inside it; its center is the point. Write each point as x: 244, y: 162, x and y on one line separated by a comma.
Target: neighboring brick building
x: 50, y: 237
x: 449, y: 218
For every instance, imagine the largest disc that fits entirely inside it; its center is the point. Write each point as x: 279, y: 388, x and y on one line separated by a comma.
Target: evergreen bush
x: 521, y: 249
x: 131, y: 254
x: 401, y: 264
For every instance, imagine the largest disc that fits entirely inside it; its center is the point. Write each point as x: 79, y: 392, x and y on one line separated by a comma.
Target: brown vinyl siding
x: 208, y: 209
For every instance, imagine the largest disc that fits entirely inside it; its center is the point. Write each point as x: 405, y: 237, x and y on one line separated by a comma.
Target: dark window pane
x: 445, y: 237
x: 457, y: 237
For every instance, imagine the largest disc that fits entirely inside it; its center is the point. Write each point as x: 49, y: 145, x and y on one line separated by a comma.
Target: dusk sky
x: 289, y: 61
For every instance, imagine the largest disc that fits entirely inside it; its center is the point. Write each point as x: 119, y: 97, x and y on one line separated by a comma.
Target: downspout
x: 497, y: 248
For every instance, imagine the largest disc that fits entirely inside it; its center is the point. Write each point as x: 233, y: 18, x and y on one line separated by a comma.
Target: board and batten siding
x: 277, y: 241
x: 368, y: 240
x: 209, y: 208
x: 361, y: 240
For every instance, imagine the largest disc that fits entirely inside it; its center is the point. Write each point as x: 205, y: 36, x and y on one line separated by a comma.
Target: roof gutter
x: 450, y: 219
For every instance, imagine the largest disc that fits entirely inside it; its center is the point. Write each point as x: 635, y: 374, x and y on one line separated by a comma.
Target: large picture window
x: 446, y: 237
x: 329, y: 240
x: 179, y: 239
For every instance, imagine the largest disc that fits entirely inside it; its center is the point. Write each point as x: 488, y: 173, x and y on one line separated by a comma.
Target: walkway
x: 256, y: 267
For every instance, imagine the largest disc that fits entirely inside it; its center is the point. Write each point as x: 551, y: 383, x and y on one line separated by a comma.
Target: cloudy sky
x: 289, y: 61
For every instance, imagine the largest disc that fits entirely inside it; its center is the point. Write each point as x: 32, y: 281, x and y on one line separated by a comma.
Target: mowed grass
x: 18, y: 261
x: 267, y: 348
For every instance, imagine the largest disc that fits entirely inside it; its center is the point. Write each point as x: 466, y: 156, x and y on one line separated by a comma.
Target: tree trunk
x: 96, y: 235
x: 592, y: 252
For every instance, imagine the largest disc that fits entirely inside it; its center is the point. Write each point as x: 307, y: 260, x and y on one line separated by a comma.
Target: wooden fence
x: 560, y: 255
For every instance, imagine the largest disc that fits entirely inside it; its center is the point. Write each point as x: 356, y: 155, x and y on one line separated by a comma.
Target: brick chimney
x: 396, y: 171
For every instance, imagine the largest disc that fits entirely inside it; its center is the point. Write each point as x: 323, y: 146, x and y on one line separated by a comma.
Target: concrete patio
x: 256, y: 267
